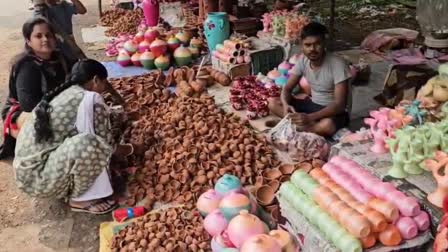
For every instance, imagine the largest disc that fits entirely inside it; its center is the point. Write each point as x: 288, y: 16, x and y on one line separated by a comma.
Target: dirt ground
x: 28, y: 224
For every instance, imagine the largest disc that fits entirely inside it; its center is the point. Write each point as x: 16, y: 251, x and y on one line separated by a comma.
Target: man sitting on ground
x: 325, y: 111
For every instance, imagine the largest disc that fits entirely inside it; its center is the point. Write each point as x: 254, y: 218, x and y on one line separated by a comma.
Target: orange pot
x: 368, y: 241
x: 390, y: 237
x: 384, y: 207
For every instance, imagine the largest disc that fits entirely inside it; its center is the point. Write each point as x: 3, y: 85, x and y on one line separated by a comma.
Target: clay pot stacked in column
x: 232, y: 52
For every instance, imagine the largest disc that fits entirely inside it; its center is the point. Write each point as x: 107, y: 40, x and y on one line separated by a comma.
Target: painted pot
x: 284, y: 67
x: 281, y: 81
x: 407, y: 227
x: 215, y: 223
x: 144, y: 46
x: 173, y: 43
x: 274, y: 74
x: 159, y: 47
x: 183, y: 37
x: 147, y: 60
x: 194, y: 51
x: 391, y: 236
x: 136, y: 59
x: 261, y: 243
x: 130, y: 46
x: 123, y: 58
x: 244, y: 226
x: 182, y: 56
x: 139, y: 37
x: 221, y: 242
x: 208, y: 202
x: 233, y: 203
x: 226, y: 184
x: 195, y: 42
x: 283, y: 238
x: 151, y: 34
x: 151, y: 10
x: 422, y: 221
x: 216, y: 29
x: 162, y: 62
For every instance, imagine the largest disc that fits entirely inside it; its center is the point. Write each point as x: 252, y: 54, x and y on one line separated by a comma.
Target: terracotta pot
x: 287, y: 169
x: 272, y: 174
x: 208, y: 202
x: 284, y: 239
x: 368, y: 242
x: 390, y: 237
x: 275, y: 214
x: 284, y: 178
x: 215, y: 223
x: 271, y: 208
x: 261, y: 243
x: 244, y: 226
x: 265, y: 195
x: 233, y: 203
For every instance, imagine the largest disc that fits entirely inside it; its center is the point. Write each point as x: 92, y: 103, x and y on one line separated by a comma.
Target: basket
x: 189, y: 14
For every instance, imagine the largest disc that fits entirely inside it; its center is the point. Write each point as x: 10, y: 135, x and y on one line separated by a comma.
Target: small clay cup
x: 284, y: 178
x: 305, y: 166
x: 287, y: 169
x: 272, y: 174
x: 275, y: 184
x: 265, y: 195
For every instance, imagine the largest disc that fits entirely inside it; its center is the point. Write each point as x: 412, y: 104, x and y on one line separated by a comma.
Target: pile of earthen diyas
x: 173, y: 229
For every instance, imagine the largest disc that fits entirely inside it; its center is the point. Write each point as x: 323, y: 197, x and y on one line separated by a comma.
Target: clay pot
x: 368, y: 242
x: 287, y: 169
x: 243, y: 226
x: 227, y: 184
x: 208, y: 202
x: 233, y: 203
x: 284, y: 239
x: 265, y: 195
x: 261, y: 243
x: 390, y: 237
x: 215, y: 223
x: 272, y: 174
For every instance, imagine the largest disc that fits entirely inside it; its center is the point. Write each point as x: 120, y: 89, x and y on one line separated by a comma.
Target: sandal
x: 94, y: 207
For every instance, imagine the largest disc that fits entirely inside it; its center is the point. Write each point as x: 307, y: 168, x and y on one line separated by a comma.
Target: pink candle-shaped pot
x: 408, y: 206
x: 408, y: 228
x: 347, y: 182
x: 422, y: 221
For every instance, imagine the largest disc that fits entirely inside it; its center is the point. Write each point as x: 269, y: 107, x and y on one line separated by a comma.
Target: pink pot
x: 422, y: 221
x: 208, y: 202
x: 220, y: 242
x: 382, y: 189
x: 232, y: 204
x: 130, y: 46
x: 215, y: 223
x: 261, y: 243
x: 151, y: 34
x: 244, y: 226
x: 144, y: 46
x: 408, y: 228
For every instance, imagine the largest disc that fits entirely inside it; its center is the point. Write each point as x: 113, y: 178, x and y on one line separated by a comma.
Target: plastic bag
x: 296, y: 147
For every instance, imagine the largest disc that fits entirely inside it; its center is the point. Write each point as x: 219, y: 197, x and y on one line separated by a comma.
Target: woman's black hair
x: 314, y: 29
x: 82, y: 72
x: 27, y: 30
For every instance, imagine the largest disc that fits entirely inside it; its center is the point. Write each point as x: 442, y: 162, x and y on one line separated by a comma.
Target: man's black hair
x: 314, y: 29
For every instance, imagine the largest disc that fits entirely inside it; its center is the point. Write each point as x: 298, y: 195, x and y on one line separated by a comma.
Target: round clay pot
x: 284, y: 178
x: 265, y: 195
x: 244, y: 226
x: 275, y: 184
x: 287, y: 169
x: 284, y: 239
x: 260, y: 243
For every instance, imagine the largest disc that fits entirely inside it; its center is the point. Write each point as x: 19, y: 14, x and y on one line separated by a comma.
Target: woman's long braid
x: 43, y: 110
x: 82, y: 72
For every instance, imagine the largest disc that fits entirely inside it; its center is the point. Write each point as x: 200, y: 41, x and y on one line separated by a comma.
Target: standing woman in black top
x: 36, y: 71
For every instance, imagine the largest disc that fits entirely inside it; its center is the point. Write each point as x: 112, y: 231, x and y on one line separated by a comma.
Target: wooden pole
x: 100, y: 8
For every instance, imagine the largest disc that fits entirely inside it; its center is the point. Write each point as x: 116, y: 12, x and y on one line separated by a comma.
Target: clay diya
x: 305, y: 166
x: 265, y: 195
x: 287, y: 169
x: 272, y: 174
x: 274, y: 184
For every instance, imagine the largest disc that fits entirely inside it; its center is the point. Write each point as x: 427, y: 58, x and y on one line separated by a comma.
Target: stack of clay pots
x: 230, y: 216
x: 189, y: 143
x: 173, y: 229
x: 233, y: 52
x: 267, y: 185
